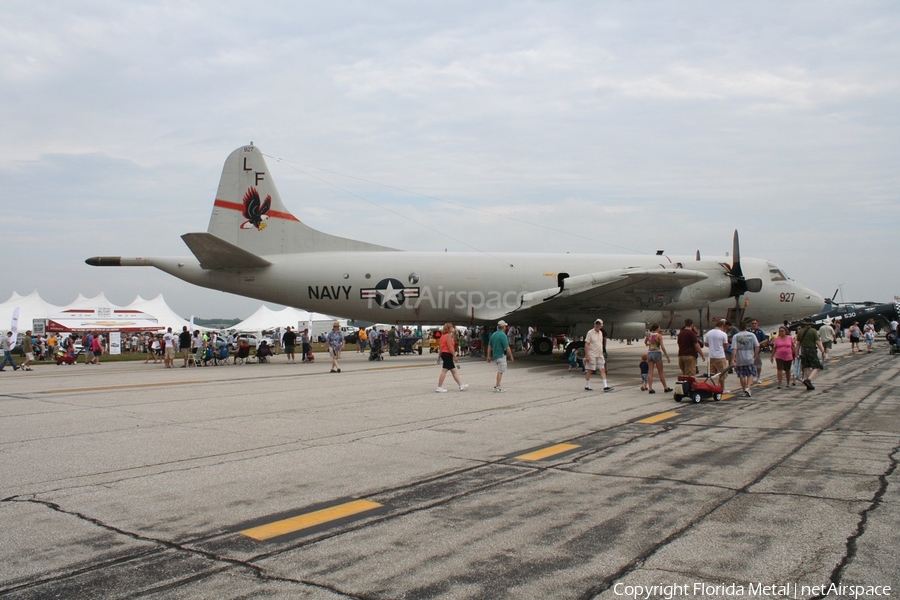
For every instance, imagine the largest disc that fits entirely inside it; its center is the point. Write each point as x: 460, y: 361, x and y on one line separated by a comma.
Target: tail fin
x: 248, y: 213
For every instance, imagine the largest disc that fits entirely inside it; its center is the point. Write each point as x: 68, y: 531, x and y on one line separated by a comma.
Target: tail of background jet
x: 248, y: 213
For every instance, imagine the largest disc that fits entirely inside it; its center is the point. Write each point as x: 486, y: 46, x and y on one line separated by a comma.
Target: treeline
x: 216, y: 323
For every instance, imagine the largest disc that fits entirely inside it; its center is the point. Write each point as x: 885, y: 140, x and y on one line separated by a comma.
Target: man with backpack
x: 810, y: 346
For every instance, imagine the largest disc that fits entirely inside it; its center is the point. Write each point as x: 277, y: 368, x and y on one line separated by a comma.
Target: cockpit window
x: 777, y: 274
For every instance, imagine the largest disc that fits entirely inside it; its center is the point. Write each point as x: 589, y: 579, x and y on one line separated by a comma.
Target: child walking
x: 645, y: 372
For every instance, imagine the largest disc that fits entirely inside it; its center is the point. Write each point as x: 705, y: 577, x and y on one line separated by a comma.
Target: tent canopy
x: 93, y: 319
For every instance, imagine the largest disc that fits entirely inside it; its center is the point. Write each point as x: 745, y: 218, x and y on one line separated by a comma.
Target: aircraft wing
x: 215, y: 253
x: 620, y: 289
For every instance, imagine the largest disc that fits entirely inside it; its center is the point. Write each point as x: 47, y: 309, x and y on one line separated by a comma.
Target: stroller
x: 375, y: 349
x: 893, y: 343
x: 64, y: 358
x: 697, y: 389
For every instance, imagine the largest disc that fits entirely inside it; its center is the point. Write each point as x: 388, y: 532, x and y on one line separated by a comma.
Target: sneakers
x: 439, y: 390
x: 747, y: 393
x: 589, y: 388
x: 809, y: 385
x: 608, y: 389
x: 499, y: 389
x: 463, y: 387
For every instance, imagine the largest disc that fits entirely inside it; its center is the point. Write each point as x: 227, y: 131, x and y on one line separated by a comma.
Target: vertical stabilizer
x: 249, y: 214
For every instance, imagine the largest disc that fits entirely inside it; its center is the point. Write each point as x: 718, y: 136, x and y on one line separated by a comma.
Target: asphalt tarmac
x: 129, y: 480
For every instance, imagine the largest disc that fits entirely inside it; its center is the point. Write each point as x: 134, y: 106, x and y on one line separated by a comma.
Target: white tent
x: 30, y: 307
x: 162, y: 311
x: 266, y: 319
x: 102, y: 319
x: 87, y: 313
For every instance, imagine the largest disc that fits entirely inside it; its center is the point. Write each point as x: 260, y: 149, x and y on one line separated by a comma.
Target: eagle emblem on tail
x: 255, y: 209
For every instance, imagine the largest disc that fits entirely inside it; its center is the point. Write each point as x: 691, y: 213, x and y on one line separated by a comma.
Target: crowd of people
x: 796, y: 356
x: 728, y: 348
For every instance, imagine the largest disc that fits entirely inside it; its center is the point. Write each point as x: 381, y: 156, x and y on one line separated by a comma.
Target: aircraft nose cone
x: 816, y: 300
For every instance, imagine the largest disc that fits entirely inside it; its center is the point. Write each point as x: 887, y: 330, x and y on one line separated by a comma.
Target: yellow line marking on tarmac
x: 125, y: 387
x: 547, y: 452
x: 658, y: 418
x: 305, y: 521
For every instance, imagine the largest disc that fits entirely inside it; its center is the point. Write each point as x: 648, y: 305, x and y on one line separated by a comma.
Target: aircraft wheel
x: 572, y: 347
x: 697, y: 398
x: 542, y: 345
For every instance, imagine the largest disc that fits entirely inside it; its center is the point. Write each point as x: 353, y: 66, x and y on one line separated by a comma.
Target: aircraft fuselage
x: 467, y: 288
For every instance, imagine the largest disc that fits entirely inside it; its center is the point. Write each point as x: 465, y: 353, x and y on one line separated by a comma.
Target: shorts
x: 334, y: 352
x: 170, y: 352
x: 745, y: 371
x: 288, y: 349
x: 784, y: 365
x: 717, y: 365
x: 687, y: 365
x: 592, y: 363
x: 828, y: 345
x: 654, y: 356
x: 501, y: 364
x: 447, y: 361
x: 809, y: 358
x: 645, y: 378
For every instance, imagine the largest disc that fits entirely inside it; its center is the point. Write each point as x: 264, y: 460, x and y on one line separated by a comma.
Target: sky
x: 590, y: 127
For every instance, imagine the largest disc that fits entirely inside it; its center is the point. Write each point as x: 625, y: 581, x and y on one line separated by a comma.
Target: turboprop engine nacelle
x: 626, y: 330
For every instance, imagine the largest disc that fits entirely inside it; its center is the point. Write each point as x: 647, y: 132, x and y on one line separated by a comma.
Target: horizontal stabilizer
x: 215, y: 253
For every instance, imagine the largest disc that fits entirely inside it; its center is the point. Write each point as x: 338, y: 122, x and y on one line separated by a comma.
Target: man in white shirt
x: 717, y: 342
x: 171, y: 340
x: 826, y: 336
x: 593, y: 356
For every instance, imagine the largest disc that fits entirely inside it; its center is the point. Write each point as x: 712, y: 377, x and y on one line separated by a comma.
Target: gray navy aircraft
x: 254, y: 246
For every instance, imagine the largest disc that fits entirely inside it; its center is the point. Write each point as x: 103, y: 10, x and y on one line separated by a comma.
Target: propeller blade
x: 739, y: 284
x: 736, y: 257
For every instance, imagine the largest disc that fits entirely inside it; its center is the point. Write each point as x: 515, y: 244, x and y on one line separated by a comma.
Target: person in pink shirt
x: 783, y: 354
